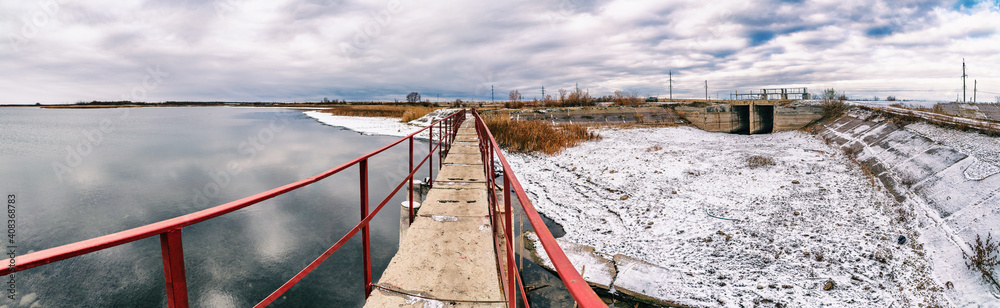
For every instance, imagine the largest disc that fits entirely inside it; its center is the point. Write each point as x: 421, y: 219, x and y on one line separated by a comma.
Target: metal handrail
x: 170, y: 230
x: 584, y: 296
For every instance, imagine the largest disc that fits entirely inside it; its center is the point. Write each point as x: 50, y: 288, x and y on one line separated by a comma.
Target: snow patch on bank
x: 811, y: 217
x: 379, y: 126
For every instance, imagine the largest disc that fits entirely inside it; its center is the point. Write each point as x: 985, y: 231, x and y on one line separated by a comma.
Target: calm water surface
x: 80, y: 173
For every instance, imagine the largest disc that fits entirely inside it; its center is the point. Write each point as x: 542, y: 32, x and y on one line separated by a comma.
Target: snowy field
x: 380, y: 126
x: 810, y: 218
x: 687, y: 200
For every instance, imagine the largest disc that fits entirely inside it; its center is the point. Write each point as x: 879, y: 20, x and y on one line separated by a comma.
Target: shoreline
x: 380, y: 126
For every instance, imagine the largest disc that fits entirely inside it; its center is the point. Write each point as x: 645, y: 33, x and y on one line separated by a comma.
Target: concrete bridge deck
x: 447, y: 253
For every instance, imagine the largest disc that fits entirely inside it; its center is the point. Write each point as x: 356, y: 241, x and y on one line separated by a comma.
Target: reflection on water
x: 84, y: 173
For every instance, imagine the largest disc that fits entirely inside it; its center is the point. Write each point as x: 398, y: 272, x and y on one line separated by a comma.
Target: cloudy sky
x: 63, y: 51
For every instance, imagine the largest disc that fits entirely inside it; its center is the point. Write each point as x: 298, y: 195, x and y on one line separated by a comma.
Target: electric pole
x: 975, y: 89
x: 964, y: 77
x: 671, y: 74
x: 706, y: 90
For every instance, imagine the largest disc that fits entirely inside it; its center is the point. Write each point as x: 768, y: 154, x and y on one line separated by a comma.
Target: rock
x: 795, y: 182
x: 829, y: 285
x: 797, y: 213
x: 901, y: 240
x: 625, y: 197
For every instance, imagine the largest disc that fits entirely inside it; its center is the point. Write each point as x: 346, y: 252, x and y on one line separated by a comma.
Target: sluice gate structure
x: 750, y: 117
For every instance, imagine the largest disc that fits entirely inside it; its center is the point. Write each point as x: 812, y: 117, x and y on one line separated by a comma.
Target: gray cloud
x: 296, y: 50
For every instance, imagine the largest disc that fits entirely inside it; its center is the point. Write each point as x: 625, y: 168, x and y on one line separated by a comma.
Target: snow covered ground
x: 665, y: 195
x: 809, y: 218
x: 380, y: 126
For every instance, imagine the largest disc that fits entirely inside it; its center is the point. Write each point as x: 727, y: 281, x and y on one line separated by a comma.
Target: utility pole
x: 671, y: 74
x: 964, y: 77
x: 543, y: 93
x: 975, y: 89
x: 706, y: 90
x: 492, y: 100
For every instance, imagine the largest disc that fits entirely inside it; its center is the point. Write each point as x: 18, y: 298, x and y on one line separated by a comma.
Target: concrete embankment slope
x: 954, y: 194
x: 447, y: 255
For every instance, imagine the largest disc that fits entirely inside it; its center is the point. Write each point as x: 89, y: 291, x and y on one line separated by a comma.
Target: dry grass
x: 536, y: 136
x: 758, y: 161
x: 404, y: 112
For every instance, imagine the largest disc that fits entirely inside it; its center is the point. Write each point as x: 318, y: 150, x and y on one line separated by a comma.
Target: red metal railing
x: 502, y: 224
x: 170, y: 230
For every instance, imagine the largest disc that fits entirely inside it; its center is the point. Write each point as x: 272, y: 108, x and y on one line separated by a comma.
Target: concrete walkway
x: 447, y: 253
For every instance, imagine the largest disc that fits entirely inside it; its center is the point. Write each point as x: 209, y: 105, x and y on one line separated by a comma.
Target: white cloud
x: 293, y: 50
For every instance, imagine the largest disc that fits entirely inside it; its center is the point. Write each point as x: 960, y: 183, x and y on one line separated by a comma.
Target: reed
x: 536, y: 136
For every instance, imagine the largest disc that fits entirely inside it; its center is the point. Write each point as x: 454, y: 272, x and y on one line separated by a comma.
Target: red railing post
x: 411, y: 180
x: 173, y: 268
x: 430, y: 147
x: 365, y: 242
x: 509, y: 229
x: 441, y: 148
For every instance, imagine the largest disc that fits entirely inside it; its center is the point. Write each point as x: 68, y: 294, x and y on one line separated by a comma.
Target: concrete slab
x: 381, y: 298
x: 597, y: 270
x: 462, y: 173
x: 463, y: 159
x: 445, y: 257
x: 467, y: 138
x: 464, y: 149
x: 950, y: 191
x: 926, y: 164
x: 459, y: 185
x: 455, y: 202
x: 653, y: 284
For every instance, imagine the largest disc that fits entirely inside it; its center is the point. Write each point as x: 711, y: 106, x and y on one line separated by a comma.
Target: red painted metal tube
x: 575, y: 284
x: 366, y: 252
x: 173, y: 268
x: 410, y: 178
x: 430, y: 147
x: 509, y: 231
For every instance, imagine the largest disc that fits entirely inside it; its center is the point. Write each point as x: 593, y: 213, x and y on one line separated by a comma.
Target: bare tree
x: 627, y: 98
x: 413, y: 97
x: 515, y: 96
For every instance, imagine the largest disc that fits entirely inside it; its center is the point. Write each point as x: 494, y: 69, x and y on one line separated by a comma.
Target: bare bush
x: 984, y: 258
x: 833, y: 105
x: 627, y: 98
x: 758, y: 161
